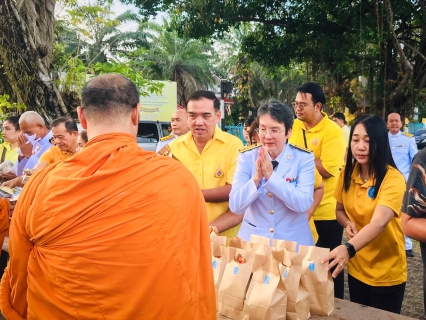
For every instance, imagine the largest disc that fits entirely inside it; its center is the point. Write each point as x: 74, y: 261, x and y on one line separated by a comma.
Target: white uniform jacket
x: 277, y: 208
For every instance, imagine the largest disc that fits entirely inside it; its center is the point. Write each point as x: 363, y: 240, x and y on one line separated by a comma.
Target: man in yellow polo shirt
x: 65, y: 133
x: 211, y: 155
x: 315, y: 131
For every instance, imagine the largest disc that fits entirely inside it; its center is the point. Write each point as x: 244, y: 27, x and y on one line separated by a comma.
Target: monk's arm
x: 17, y: 270
x: 227, y: 220
x: 219, y: 194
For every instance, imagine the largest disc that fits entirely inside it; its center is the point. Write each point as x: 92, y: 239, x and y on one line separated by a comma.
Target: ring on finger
x: 341, y: 264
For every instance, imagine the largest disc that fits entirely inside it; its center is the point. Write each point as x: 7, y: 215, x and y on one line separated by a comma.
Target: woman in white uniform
x: 274, y: 182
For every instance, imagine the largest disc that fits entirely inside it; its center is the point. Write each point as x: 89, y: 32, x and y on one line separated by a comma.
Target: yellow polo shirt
x: 327, y: 143
x: 53, y: 155
x: 383, y: 261
x: 11, y: 155
x: 214, y: 167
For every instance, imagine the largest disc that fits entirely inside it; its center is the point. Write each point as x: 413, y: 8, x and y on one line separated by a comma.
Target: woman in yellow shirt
x: 9, y: 148
x: 369, y: 195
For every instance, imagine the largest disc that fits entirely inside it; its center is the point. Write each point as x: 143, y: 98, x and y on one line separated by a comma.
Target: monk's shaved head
x: 31, y: 117
x: 109, y: 98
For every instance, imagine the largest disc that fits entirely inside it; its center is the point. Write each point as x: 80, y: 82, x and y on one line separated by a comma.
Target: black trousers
x: 423, y: 251
x: 330, y: 234
x: 4, y: 258
x: 384, y: 298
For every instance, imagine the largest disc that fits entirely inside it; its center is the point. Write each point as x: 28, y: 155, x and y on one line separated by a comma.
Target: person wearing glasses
x: 274, y: 182
x: 313, y: 130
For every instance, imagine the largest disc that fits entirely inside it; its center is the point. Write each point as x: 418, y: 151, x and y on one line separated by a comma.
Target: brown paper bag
x: 218, y: 239
x: 317, y: 280
x: 235, y: 282
x: 258, y: 248
x: 285, y: 244
x: 254, y: 238
x: 219, y: 263
x: 236, y: 242
x: 266, y: 297
x: 290, y: 264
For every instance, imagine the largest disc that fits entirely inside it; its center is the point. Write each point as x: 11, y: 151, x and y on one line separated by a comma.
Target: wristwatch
x: 351, y: 249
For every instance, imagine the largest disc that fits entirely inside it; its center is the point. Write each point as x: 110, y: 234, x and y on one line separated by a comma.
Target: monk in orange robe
x: 4, y: 219
x: 114, y: 232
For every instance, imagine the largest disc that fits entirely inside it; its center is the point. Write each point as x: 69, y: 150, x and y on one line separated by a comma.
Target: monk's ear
x: 135, y: 114
x: 82, y: 117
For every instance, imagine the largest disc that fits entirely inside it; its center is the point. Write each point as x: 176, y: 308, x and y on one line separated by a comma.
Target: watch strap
x: 351, y: 249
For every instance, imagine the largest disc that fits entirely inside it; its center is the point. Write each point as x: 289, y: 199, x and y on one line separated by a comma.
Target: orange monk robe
x: 114, y: 232
x: 4, y: 218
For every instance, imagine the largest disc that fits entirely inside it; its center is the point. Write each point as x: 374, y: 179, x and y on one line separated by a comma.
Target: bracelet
x: 346, y: 224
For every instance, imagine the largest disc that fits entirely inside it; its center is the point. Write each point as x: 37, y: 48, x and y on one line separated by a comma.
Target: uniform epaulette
x: 170, y: 136
x: 301, y: 148
x: 407, y: 134
x: 251, y: 147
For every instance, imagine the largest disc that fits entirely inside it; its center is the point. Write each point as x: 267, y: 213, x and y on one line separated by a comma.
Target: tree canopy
x: 379, y: 45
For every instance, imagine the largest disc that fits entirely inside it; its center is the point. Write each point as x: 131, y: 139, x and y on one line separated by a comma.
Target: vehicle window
x: 419, y: 132
x: 147, y: 133
x: 164, y: 127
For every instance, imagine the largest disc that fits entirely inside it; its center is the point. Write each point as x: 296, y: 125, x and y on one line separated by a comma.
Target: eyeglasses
x: 272, y: 132
x: 300, y: 105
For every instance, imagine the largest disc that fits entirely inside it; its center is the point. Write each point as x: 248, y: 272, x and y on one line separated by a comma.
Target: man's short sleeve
x: 414, y: 202
x: 233, y: 151
x: 47, y: 157
x: 333, y: 151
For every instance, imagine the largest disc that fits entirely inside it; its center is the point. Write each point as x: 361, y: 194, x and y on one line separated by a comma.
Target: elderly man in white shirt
x: 33, y: 141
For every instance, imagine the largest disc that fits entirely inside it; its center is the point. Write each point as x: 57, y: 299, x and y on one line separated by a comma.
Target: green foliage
x: 336, y: 41
x: 8, y: 108
x: 146, y: 87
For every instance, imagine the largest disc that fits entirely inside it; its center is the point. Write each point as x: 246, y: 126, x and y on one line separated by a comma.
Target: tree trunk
x: 26, y: 44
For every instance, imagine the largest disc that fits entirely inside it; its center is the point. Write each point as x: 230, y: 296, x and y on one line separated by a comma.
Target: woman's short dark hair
x: 249, y: 121
x: 315, y: 90
x: 13, y: 120
x: 278, y: 111
x: 379, y: 156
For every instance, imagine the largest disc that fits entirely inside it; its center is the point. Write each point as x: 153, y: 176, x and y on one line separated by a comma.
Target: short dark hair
x: 69, y: 123
x: 315, y: 90
x: 393, y: 111
x: 380, y: 155
x: 278, y: 111
x: 340, y: 116
x: 83, y: 135
x: 109, y: 96
x: 204, y: 94
x: 14, y: 120
x: 249, y: 121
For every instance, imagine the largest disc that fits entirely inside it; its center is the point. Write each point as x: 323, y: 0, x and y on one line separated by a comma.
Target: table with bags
x: 270, y: 279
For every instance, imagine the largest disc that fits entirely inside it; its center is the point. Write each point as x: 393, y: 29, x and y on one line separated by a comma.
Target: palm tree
x: 185, y: 61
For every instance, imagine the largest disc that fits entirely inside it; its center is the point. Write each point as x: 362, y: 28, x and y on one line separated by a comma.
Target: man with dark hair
x: 211, y: 155
x: 100, y: 236
x: 403, y: 148
x: 64, y: 139
x: 315, y: 131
